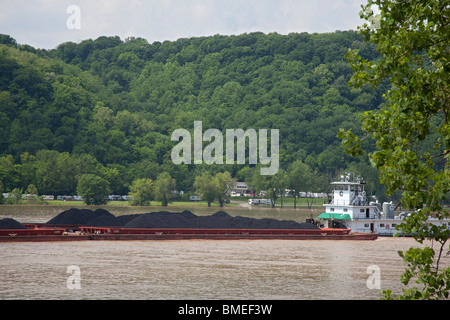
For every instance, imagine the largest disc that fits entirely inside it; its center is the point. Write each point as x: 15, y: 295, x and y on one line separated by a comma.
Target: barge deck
x: 39, y: 233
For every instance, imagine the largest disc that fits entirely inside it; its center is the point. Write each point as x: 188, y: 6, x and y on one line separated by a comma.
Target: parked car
x: 194, y: 198
x: 266, y: 202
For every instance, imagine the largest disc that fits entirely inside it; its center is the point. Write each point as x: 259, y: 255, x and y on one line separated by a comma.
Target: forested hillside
x: 109, y: 106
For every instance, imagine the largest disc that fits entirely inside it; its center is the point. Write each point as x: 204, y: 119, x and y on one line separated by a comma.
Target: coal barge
x: 83, y: 224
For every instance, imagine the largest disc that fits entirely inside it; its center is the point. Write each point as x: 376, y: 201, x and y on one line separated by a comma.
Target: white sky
x: 43, y: 23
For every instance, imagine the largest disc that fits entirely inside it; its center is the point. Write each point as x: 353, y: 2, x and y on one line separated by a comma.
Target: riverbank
x: 285, y: 203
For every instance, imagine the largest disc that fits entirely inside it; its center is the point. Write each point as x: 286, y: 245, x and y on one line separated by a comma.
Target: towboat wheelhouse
x: 349, y: 208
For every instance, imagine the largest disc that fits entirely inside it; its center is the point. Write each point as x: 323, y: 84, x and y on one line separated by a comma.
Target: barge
x: 76, y: 225
x: 37, y: 233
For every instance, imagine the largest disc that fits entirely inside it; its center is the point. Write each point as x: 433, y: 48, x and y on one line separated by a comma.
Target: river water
x: 197, y: 269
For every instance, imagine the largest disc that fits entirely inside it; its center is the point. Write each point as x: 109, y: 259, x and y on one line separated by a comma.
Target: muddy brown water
x: 198, y: 269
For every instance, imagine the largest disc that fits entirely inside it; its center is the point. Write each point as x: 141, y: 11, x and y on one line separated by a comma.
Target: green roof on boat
x: 336, y: 216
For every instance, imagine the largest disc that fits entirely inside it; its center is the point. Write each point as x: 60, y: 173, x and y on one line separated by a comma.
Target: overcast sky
x: 47, y: 23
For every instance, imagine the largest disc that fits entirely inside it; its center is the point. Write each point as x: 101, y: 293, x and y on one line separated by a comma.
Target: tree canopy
x: 108, y: 106
x: 411, y: 130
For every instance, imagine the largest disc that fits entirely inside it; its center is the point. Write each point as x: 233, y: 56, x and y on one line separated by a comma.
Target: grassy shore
x: 235, y: 202
x: 42, y: 211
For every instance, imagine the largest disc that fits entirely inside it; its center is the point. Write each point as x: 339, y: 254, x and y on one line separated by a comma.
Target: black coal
x: 166, y: 219
x: 9, y: 223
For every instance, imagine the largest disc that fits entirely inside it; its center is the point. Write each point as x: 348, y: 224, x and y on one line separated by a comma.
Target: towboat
x: 349, y: 208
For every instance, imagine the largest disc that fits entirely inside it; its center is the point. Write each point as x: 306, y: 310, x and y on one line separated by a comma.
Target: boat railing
x: 341, y: 202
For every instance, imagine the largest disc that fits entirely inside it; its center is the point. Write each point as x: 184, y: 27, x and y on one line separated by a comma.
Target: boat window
x: 361, y: 210
x: 332, y: 209
x: 381, y: 225
x: 345, y: 209
x: 366, y: 225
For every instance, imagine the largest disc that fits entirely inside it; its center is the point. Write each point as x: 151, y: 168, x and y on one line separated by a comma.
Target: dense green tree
x: 93, y: 189
x: 55, y: 173
x: 141, y: 192
x: 31, y: 189
x: 8, y: 40
x: 8, y: 174
x: 32, y: 194
x: 108, y: 106
x: 276, y: 186
x: 164, y: 188
x: 2, y: 189
x: 26, y: 170
x: 300, y: 179
x: 411, y: 131
x: 224, y: 184
x: 256, y: 182
x: 15, y: 196
x: 206, y: 187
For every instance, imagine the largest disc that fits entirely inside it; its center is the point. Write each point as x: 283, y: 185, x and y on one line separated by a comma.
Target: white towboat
x: 350, y: 209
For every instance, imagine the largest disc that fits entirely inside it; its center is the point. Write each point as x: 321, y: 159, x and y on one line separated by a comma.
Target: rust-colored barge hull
x: 40, y: 233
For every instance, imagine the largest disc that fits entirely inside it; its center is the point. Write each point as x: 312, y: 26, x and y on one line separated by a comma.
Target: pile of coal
x: 9, y: 223
x: 218, y: 220
x: 111, y: 220
x: 75, y: 216
x: 166, y: 219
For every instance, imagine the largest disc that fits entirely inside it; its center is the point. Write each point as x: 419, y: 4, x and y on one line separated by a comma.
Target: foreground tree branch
x: 411, y: 132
